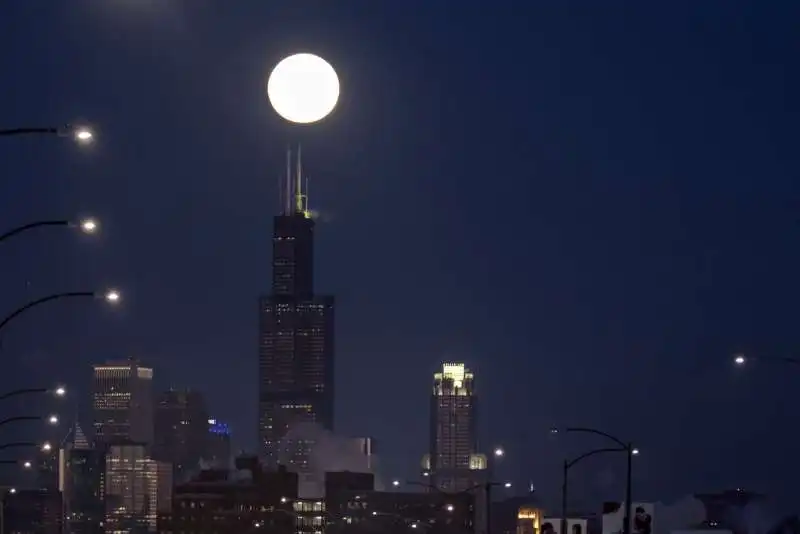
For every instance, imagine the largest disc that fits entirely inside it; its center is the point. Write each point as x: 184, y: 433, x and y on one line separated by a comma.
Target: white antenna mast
x: 287, y: 199
x: 298, y: 193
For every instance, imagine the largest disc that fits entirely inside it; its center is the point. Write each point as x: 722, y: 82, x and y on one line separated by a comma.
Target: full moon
x: 303, y: 88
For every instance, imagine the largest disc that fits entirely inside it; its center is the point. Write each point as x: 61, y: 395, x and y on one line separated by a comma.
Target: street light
x: 111, y: 296
x: 629, y: 450
x: 18, y: 444
x: 58, y: 391
x: 81, y: 134
x: 499, y: 452
x: 740, y: 360
x: 87, y: 226
x: 52, y: 420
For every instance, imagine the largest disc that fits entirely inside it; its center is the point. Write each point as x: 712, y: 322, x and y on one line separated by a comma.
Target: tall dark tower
x: 296, y: 357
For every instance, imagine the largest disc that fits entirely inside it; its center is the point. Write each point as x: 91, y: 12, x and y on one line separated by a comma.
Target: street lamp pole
x: 15, y: 444
x: 58, y: 392
x: 110, y: 296
x: 79, y: 133
x: 88, y: 226
x: 30, y: 226
x: 20, y: 418
x: 741, y: 360
x: 565, y: 479
x: 629, y: 450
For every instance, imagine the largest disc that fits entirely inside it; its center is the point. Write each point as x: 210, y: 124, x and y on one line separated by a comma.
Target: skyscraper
x: 295, y: 336
x: 453, y: 438
x: 218, y: 448
x: 122, y: 402
x: 136, y: 489
x: 82, y: 484
x: 181, y: 430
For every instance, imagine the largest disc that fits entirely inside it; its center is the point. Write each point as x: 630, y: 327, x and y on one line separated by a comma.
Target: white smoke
x: 329, y: 452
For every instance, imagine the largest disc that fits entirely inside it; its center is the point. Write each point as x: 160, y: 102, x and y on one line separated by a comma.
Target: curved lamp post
x: 52, y: 419
x: 740, y: 360
x: 81, y: 134
x: 111, y: 296
x: 629, y: 450
x: 44, y: 447
x: 87, y: 226
x: 58, y: 391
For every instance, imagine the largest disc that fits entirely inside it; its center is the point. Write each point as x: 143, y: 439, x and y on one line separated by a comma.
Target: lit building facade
x: 122, y: 402
x: 181, y: 430
x: 137, y: 487
x: 454, y: 462
x: 296, y: 349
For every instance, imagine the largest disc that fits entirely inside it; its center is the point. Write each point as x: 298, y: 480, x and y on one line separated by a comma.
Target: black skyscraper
x: 295, y: 338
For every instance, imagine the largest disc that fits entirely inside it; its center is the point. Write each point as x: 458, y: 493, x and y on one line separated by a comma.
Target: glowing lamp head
x: 499, y: 452
x: 53, y: 420
x: 12, y: 491
x: 635, y: 452
x: 27, y: 465
x: 88, y: 226
x: 395, y: 483
x: 112, y: 296
x: 83, y: 135
x: 46, y: 447
x: 60, y: 391
x: 303, y: 88
x: 450, y: 507
x: 507, y: 485
x: 739, y: 360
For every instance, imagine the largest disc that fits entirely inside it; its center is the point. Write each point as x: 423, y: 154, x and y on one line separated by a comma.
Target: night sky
x: 593, y: 204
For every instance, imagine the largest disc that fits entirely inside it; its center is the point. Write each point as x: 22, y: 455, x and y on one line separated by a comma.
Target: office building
x: 453, y: 436
x: 218, y: 452
x: 400, y: 512
x: 181, y: 430
x: 122, y: 402
x: 295, y: 337
x: 82, y: 484
x: 36, y: 511
x: 137, y: 488
x: 248, y: 499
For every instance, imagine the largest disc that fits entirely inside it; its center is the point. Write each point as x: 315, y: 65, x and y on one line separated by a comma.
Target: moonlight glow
x: 303, y: 88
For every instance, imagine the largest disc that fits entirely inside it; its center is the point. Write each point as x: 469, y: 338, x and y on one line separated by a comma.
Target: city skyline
x: 591, y: 207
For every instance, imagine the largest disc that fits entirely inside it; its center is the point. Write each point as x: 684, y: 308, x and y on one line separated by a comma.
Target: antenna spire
x: 298, y: 192
x: 287, y: 197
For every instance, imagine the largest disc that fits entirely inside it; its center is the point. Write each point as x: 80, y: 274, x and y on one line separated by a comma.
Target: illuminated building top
x: 454, y: 379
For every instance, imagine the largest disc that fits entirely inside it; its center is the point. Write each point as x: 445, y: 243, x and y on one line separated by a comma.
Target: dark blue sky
x: 591, y: 203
